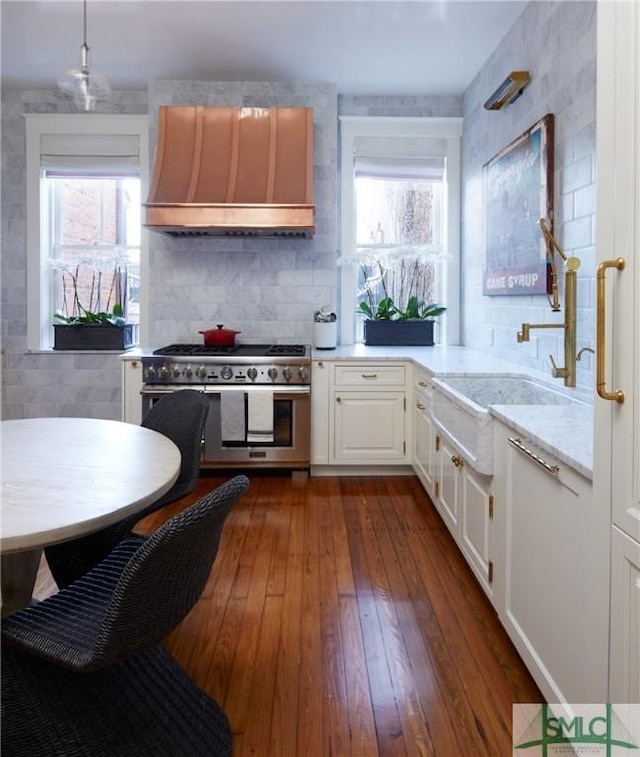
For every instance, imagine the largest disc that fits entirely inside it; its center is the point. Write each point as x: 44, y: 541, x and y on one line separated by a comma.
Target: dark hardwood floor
x: 340, y: 619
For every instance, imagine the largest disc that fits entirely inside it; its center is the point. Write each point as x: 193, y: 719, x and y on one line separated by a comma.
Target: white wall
x: 556, y: 43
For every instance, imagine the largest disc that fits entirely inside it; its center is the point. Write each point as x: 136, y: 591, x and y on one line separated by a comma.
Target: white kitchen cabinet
x: 461, y: 495
x: 369, y: 376
x: 369, y: 427
x: 320, y: 379
x: 447, y: 491
x: 368, y: 418
x: 616, y: 473
x: 465, y: 502
x: 424, y: 440
x: 624, y: 674
x: 131, y: 410
x: 554, y: 592
x: 475, y: 527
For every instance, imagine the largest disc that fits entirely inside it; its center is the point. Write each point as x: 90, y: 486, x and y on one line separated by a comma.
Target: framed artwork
x: 518, y: 185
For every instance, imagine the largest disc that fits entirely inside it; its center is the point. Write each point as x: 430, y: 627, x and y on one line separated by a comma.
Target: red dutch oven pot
x: 219, y: 337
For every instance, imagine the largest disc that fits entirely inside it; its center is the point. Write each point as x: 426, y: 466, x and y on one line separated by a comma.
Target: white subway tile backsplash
x: 577, y: 233
x: 585, y: 201
x: 576, y: 175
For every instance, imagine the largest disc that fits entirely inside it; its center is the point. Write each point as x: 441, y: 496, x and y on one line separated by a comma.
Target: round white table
x: 66, y: 477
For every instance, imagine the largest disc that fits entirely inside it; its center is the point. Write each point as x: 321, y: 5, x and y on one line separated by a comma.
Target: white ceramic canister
x: 325, y: 335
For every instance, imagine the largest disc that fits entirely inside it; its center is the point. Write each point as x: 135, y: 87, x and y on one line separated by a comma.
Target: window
x: 400, y: 217
x: 95, y: 243
x: 84, y: 190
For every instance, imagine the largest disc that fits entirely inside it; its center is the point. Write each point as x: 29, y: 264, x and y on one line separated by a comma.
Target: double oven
x: 260, y: 400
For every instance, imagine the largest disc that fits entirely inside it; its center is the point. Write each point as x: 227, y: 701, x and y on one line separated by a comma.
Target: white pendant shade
x: 85, y: 86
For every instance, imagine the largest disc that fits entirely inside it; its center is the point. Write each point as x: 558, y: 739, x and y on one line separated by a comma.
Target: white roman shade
x: 400, y: 158
x: 86, y: 154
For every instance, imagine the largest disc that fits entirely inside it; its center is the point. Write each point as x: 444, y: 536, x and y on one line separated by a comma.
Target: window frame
x: 447, y: 128
x: 39, y: 235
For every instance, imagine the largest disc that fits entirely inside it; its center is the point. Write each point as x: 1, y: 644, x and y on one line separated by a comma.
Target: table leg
x: 19, y: 571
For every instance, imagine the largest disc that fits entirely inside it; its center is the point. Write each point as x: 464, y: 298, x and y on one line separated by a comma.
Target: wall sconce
x: 510, y: 90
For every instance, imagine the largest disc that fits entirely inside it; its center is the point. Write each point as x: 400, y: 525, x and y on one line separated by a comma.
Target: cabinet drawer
x: 369, y: 375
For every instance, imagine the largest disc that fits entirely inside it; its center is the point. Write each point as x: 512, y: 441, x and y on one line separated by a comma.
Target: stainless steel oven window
x: 283, y: 411
x: 292, y: 423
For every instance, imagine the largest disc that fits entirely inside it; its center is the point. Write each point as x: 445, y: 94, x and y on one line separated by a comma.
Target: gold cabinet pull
x: 517, y: 443
x: 420, y: 406
x: 617, y: 395
x: 422, y: 383
x: 369, y: 375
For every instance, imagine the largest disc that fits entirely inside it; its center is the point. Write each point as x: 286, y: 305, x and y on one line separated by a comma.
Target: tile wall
x: 556, y: 43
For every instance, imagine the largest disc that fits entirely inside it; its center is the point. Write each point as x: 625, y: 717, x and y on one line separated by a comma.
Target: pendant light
x: 85, y: 86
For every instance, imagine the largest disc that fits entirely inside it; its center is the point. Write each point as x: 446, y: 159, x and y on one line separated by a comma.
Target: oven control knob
x: 303, y: 373
x: 252, y: 373
x: 286, y: 372
x: 201, y: 372
x: 175, y: 372
x: 226, y: 372
x: 163, y: 372
x: 150, y: 373
x: 188, y: 373
x: 272, y: 373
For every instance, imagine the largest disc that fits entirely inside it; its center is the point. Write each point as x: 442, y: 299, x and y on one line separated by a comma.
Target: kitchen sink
x: 504, y: 390
x: 461, y: 409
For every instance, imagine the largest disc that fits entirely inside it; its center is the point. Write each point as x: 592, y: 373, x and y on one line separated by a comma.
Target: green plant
x: 384, y: 308
x: 87, y: 278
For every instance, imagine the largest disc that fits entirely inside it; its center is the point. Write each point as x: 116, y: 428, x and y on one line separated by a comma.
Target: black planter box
x: 389, y: 333
x: 93, y: 336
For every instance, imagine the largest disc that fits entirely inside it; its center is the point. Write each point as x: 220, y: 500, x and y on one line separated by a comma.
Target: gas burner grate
x: 193, y: 349
x: 287, y: 350
x: 241, y: 350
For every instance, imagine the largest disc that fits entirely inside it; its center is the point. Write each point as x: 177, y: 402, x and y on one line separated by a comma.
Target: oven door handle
x: 153, y: 390
x: 277, y: 390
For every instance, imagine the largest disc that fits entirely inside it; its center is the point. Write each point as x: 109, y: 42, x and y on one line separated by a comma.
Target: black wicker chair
x: 180, y: 416
x: 134, y: 597
x: 146, y: 706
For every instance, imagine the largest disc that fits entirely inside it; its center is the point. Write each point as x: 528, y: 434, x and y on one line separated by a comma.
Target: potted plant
x: 100, y: 324
x: 405, y: 320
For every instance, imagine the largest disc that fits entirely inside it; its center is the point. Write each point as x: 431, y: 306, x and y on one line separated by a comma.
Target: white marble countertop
x: 565, y: 431
x: 438, y: 360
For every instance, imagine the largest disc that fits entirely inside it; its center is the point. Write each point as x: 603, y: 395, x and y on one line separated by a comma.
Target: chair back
x: 180, y: 416
x: 165, y: 576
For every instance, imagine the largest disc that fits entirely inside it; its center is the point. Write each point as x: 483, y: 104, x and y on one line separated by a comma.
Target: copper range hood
x: 233, y: 172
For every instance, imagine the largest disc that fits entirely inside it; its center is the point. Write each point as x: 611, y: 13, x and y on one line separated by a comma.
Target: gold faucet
x: 568, y: 371
x: 583, y: 350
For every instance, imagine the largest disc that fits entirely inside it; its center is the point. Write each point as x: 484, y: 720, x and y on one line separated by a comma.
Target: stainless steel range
x: 260, y: 399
